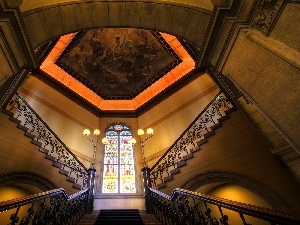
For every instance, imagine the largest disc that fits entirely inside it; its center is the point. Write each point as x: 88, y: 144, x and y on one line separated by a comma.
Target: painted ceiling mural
x: 116, y: 71
x: 118, y: 63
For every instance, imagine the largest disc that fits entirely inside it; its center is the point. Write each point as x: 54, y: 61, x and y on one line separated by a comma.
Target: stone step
x: 41, y: 149
x: 24, y: 150
x: 202, y: 140
x: 148, y: 219
x: 122, y: 216
x: 89, y: 219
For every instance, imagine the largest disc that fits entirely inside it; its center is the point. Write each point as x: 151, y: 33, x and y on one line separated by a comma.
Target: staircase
x: 186, y: 147
x: 119, y: 216
x: 192, y: 151
x: 283, y: 152
x: 89, y: 219
x: 21, y: 158
x: 27, y: 120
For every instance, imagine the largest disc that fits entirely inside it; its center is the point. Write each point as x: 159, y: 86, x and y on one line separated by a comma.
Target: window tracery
x: 118, y: 172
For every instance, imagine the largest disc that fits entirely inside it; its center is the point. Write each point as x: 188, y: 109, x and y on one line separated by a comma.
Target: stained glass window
x: 118, y: 172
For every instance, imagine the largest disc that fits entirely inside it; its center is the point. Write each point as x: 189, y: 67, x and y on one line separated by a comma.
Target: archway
x: 21, y: 184
x: 27, y: 178
x: 46, y: 21
x: 217, y: 178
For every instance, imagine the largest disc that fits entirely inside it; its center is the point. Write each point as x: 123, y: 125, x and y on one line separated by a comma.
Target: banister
x: 190, y: 140
x: 259, y: 212
x: 10, y: 204
x: 51, y: 144
x: 183, y: 133
x: 58, y: 209
x: 53, y: 133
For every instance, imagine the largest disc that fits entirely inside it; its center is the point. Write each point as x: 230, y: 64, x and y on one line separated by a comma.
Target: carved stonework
x: 265, y: 15
x: 13, y: 4
x: 227, y: 85
x: 14, y: 85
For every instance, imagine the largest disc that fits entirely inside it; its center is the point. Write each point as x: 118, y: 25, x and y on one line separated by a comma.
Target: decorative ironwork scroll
x: 190, y: 140
x: 185, y: 207
x: 54, y: 147
x: 51, y: 207
x: 266, y: 13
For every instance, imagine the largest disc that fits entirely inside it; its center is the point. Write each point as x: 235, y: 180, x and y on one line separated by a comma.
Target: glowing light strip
x: 170, y: 78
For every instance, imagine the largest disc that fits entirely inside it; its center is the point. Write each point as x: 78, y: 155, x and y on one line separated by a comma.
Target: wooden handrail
x: 14, y: 203
x: 259, y: 212
x: 183, y: 133
x: 55, y: 136
x: 50, y: 207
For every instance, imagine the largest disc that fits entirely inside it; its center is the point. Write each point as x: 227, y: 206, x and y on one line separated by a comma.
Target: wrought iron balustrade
x: 55, y: 148
x: 53, y: 207
x: 189, y: 141
x: 191, y: 208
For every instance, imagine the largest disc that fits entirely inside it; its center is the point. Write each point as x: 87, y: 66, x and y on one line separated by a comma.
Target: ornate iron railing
x: 189, y: 141
x: 191, y: 208
x: 55, y: 148
x: 51, y: 207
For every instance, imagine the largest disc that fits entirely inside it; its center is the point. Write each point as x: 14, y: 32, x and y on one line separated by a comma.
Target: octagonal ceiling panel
x: 117, y: 69
x: 118, y: 63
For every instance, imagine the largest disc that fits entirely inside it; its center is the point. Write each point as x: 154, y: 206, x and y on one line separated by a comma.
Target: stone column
x: 90, y: 184
x: 147, y: 184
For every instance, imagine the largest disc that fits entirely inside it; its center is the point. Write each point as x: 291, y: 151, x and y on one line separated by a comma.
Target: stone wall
x: 237, y: 148
x: 18, y: 154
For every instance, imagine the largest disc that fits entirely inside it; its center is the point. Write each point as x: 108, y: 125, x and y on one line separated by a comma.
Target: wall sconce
x: 96, y: 132
x: 105, y: 141
x: 133, y: 141
x: 86, y: 133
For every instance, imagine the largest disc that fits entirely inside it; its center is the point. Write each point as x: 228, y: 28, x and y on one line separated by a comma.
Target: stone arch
x: 47, y: 22
x: 244, y: 181
x: 24, y: 177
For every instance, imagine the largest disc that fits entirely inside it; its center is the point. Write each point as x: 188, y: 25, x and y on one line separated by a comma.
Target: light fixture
x: 141, y: 132
x: 150, y: 131
x: 86, y: 132
x: 96, y: 132
x: 105, y: 141
x: 133, y: 141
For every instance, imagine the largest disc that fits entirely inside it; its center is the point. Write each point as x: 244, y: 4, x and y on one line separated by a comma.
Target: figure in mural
x: 80, y: 54
x: 97, y: 48
x: 129, y: 58
x: 118, y: 62
x: 146, y: 70
x: 118, y: 48
x: 108, y: 55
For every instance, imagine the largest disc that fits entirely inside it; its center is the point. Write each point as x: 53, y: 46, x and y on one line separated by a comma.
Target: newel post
x: 90, y: 184
x: 147, y: 184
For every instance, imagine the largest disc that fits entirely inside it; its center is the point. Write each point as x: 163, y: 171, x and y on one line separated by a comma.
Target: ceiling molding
x: 118, y: 113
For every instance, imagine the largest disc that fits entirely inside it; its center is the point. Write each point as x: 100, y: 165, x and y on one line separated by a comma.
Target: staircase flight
x: 49, y: 143
x: 190, y: 141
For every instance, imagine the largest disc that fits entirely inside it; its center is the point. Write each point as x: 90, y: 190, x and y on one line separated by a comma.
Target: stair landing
x: 145, y: 218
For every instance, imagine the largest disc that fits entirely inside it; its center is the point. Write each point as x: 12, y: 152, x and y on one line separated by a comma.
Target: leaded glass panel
x: 118, y: 172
